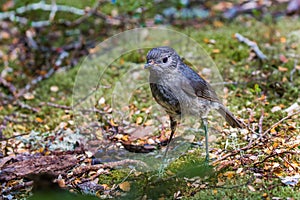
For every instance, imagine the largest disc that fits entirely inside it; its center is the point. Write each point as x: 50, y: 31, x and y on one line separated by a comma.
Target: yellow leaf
x: 282, y: 69
x: 148, y: 122
x: 113, y: 123
x: 283, y: 40
x: 125, y: 186
x: 206, y: 40
x: 20, y: 127
x: 125, y: 138
x: 273, y: 131
x: 122, y: 61
x: 265, y: 195
x: 275, y: 145
x: 38, y: 119
x: 218, y: 24
x: 139, y: 120
x: 229, y: 174
x: 216, y: 50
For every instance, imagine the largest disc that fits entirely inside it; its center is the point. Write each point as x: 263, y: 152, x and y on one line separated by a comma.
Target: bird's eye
x: 165, y: 60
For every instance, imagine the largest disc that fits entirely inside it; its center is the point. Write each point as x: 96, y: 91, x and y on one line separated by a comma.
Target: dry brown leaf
x: 125, y: 186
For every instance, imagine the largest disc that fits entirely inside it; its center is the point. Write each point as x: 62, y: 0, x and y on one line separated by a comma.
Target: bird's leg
x: 173, y: 124
x: 204, y: 123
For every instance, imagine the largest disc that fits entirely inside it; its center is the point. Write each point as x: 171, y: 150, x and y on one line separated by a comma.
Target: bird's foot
x: 207, y: 159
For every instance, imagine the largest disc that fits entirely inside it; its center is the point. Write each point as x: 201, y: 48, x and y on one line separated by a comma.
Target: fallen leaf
x: 28, y: 96
x: 229, y: 174
x: 216, y: 50
x: 218, y: 23
x: 283, y: 59
x: 253, y: 157
x: 283, y: 40
x: 291, y: 180
x: 282, y: 69
x: 7, y: 5
x: 239, y: 170
x: 113, y: 122
x: 251, y: 188
x: 125, y: 186
x: 38, y: 119
x: 139, y: 120
x: 101, y: 101
x: 54, y: 88
x: 275, y: 109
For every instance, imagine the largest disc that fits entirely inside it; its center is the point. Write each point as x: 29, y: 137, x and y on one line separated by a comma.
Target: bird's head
x: 162, y: 59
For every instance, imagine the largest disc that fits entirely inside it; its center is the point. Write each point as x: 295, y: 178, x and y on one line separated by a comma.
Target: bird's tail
x: 229, y: 117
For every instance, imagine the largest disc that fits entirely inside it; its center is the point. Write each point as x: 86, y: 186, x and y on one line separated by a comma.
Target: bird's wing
x: 195, y: 85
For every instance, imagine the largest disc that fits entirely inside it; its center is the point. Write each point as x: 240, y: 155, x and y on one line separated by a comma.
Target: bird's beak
x: 149, y: 64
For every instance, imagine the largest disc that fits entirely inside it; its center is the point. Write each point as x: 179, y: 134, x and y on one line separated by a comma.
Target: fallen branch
x: 251, y: 44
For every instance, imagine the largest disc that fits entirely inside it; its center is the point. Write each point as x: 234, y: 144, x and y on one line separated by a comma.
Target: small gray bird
x: 181, y: 91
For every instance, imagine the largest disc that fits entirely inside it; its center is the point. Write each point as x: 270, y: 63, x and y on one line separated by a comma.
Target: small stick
x: 293, y: 71
x: 251, y: 44
x: 260, y: 123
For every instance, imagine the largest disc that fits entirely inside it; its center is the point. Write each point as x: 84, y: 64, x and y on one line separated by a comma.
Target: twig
x: 280, y: 121
x: 26, y: 106
x: 251, y: 44
x: 293, y: 70
x: 53, y: 11
x: 275, y: 154
x: 12, y: 89
x: 225, y: 83
x: 290, y: 163
x: 15, y: 136
x: 7, y: 118
x: 260, y: 123
x: 56, y: 105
